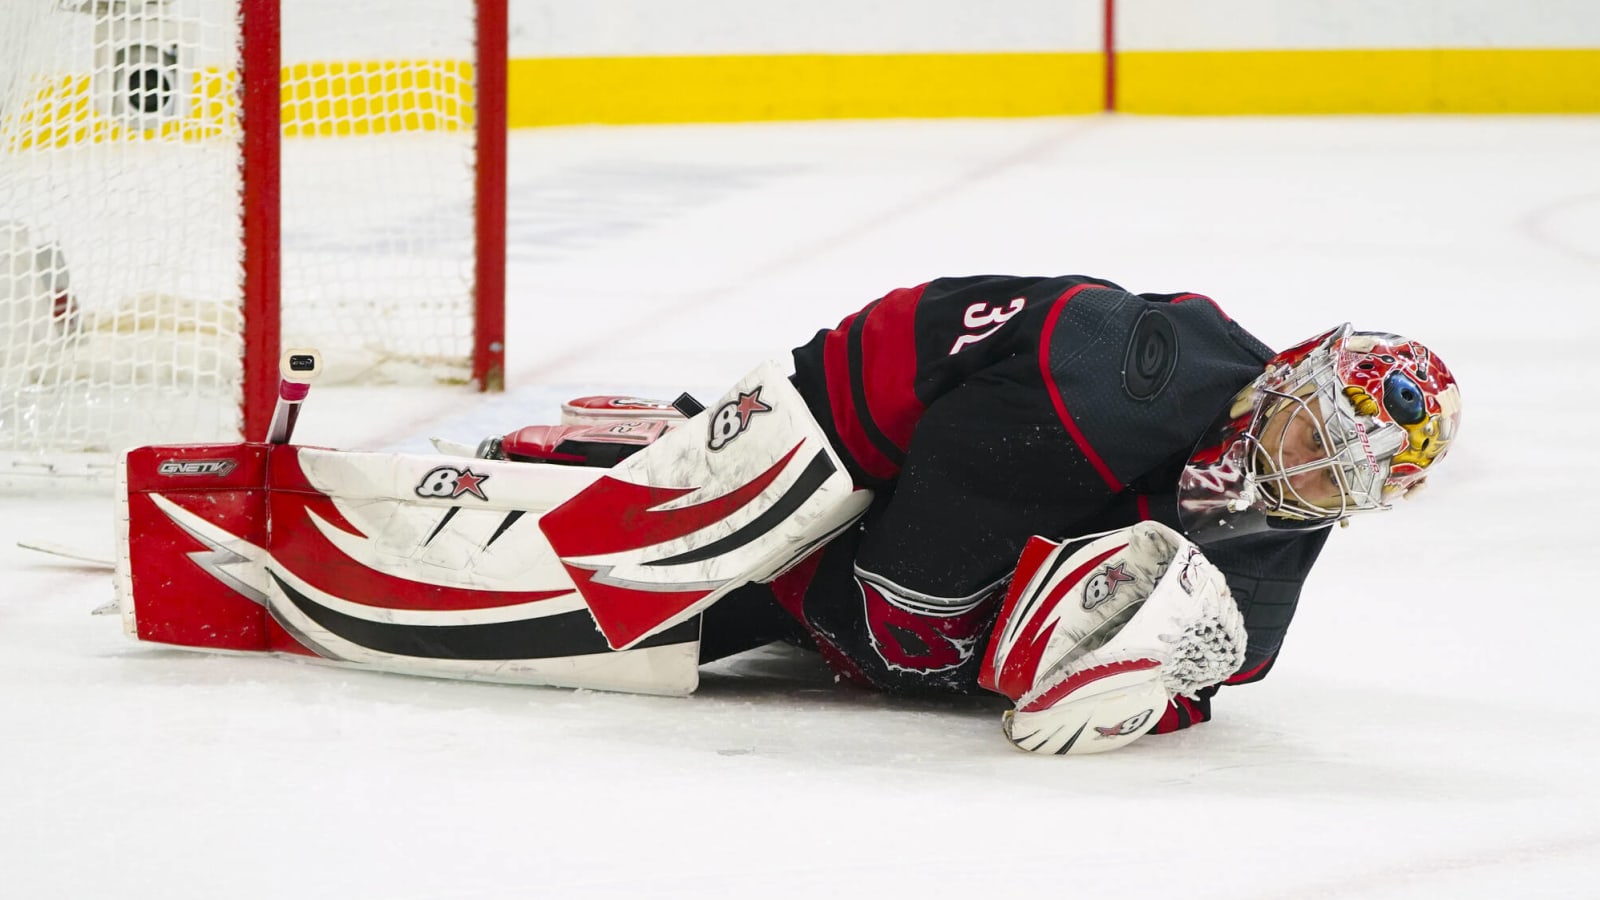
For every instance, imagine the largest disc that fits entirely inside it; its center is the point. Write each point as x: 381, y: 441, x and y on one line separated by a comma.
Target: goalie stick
x: 447, y: 447
x: 83, y: 558
x: 62, y: 551
x: 296, y: 370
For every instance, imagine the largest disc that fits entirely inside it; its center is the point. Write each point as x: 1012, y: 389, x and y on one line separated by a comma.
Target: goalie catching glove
x: 1097, y: 635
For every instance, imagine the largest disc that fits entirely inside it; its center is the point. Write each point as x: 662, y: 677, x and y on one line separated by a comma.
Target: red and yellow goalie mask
x: 1343, y: 423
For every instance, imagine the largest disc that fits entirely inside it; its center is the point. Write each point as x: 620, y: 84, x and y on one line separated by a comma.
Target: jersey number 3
x: 985, y: 315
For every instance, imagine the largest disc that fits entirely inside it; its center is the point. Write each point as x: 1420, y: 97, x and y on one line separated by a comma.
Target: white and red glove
x: 1098, y: 634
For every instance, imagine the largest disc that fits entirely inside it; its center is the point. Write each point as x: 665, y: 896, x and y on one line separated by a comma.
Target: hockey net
x: 160, y: 237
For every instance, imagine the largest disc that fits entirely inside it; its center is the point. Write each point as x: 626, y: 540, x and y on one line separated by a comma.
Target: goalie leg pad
x: 393, y: 562
x: 1094, y: 633
x: 736, y: 494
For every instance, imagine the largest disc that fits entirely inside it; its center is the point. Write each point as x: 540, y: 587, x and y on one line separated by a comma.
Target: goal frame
x: 260, y: 109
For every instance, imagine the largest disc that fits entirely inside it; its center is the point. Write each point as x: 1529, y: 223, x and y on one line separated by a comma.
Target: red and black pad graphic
x: 561, y: 635
x: 307, y: 552
x: 307, y: 563
x: 613, y: 517
x: 208, y: 571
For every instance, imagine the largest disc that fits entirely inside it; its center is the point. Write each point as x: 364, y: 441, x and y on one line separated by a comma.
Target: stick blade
x: 61, y: 551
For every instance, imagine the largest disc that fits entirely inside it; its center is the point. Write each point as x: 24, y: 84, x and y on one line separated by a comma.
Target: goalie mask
x: 1343, y: 423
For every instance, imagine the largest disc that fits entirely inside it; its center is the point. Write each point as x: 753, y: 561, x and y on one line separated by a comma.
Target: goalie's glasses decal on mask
x: 1341, y: 424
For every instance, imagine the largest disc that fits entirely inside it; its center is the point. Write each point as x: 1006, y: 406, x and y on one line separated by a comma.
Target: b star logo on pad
x: 748, y: 405
x: 469, y: 482
x: 1103, y: 586
x: 449, y: 482
x: 732, y: 418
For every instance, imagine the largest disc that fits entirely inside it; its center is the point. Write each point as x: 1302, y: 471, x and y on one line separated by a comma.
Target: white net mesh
x: 378, y: 186
x: 119, y: 226
x: 120, y: 217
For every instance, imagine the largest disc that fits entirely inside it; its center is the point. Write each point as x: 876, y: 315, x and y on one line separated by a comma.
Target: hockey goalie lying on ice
x: 1098, y: 504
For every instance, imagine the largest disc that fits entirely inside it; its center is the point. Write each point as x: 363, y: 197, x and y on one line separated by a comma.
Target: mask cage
x: 1313, y: 393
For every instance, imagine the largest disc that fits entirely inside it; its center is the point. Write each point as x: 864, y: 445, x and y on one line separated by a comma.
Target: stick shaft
x: 287, y: 410
x: 295, y: 373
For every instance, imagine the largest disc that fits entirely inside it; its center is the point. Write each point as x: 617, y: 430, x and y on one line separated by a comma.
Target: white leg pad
x: 734, y: 495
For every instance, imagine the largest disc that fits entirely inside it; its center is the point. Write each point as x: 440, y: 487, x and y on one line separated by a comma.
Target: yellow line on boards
x: 1359, y: 81
x: 630, y: 90
x: 335, y: 98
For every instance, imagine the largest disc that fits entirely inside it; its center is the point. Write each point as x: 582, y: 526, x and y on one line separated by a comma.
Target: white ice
x: 1429, y: 730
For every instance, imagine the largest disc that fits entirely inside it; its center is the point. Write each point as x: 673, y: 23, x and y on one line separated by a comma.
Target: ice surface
x: 1427, y: 733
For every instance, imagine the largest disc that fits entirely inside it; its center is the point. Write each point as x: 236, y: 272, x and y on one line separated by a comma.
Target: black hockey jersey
x: 988, y: 409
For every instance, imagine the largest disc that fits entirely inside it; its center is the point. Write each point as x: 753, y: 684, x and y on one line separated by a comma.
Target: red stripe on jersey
x: 1144, y: 508
x: 889, y: 364
x: 841, y: 401
x: 1055, y: 392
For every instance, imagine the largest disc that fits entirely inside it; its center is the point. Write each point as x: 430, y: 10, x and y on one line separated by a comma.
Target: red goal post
x: 187, y: 185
